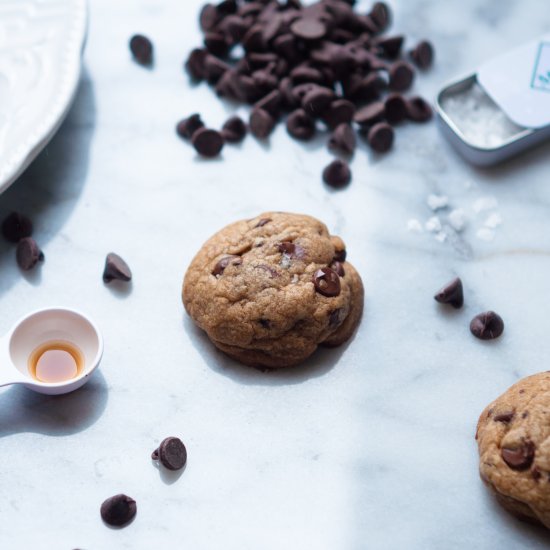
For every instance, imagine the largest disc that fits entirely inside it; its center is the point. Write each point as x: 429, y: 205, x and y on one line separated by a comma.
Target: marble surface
x: 370, y: 446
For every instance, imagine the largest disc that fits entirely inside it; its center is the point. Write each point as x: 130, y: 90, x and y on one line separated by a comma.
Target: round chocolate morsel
x: 208, y: 143
x: 343, y: 139
x: 308, y: 28
x: 401, y: 76
x: 171, y: 453
x: 316, y: 101
x: 381, y: 15
x: 418, y: 109
x: 395, y: 108
x: 28, y: 254
x: 487, y: 326
x: 219, y: 268
x: 188, y: 126
x: 337, y: 174
x: 16, y: 226
x: 390, y: 46
x: 300, y: 125
x: 380, y: 137
x: 261, y: 123
x: 142, y: 49
x: 116, y: 269
x: 271, y: 103
x: 209, y: 17
x: 195, y: 64
x: 118, y: 510
x: 370, y: 114
x: 287, y: 247
x: 339, y: 112
x: 338, y: 268
x: 452, y: 294
x: 216, y: 44
x: 326, y: 282
x: 423, y: 54
x: 234, y: 130
x: 519, y: 458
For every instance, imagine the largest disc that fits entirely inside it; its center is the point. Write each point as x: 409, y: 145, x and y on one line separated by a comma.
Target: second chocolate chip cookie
x: 269, y: 290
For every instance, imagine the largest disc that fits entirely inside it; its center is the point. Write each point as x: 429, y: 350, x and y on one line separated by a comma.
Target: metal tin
x: 473, y: 150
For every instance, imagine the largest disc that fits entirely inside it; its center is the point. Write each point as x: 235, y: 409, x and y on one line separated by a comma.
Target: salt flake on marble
x: 436, y: 202
x: 414, y: 226
x: 457, y: 219
x: 433, y: 225
x: 485, y: 234
x: 493, y: 221
x: 484, y: 203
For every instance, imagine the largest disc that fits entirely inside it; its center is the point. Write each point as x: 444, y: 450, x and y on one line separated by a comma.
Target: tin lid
x: 519, y: 82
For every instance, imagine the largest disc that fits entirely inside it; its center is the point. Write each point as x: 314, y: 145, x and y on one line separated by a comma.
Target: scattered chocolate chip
x: 28, y: 254
x: 300, y: 125
x: 343, y: 139
x: 209, y: 17
x: 142, y: 49
x: 418, y: 109
x: 326, y: 282
x: 261, y: 123
x: 308, y: 29
x: 188, y: 126
x: 316, y: 101
x: 423, y: 54
x: 195, y: 64
x: 219, y: 268
x: 370, y: 114
x: 519, y: 458
x: 380, y: 137
x: 504, y: 417
x: 381, y: 15
x: 338, y: 268
x: 286, y: 248
x: 337, y: 174
x: 401, y: 76
x: 271, y: 103
x: 171, y: 453
x: 234, y: 130
x: 390, y: 47
x: 16, y: 226
x: 452, y: 293
x: 395, y: 108
x: 487, y: 325
x: 208, y: 143
x: 339, y: 112
x: 262, y: 222
x: 116, y: 269
x: 118, y: 510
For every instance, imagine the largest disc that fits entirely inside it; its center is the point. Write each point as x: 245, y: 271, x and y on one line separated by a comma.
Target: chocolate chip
x: 116, y: 269
x: 300, y: 125
x: 326, y: 282
x: 370, y: 114
x: 216, y: 44
x: 308, y: 28
x: 208, y: 143
x: 171, y: 453
x: 391, y: 46
x: 504, y: 417
x: 28, y: 254
x: 209, y: 17
x: 271, y: 103
x: 195, y: 64
x: 519, y: 458
x: 337, y: 174
x: 423, y: 54
x: 262, y: 222
x: 338, y: 268
x: 381, y: 15
x: 291, y: 249
x: 188, y: 126
x: 452, y: 294
x: 118, y: 510
x: 401, y: 76
x: 142, y: 49
x: 380, y: 137
x: 339, y: 112
x: 343, y: 139
x: 335, y: 317
x: 316, y: 101
x: 261, y: 123
x: 219, y: 268
x: 16, y: 226
x: 340, y: 255
x: 234, y: 130
x: 396, y: 108
x: 418, y: 109
x: 487, y: 325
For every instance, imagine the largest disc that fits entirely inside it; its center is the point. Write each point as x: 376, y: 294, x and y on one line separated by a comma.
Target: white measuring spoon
x: 38, y: 328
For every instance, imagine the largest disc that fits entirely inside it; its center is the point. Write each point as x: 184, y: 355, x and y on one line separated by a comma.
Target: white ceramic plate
x: 41, y: 43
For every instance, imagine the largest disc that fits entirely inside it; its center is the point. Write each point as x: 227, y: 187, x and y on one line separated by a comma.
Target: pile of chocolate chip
x: 17, y: 229
x: 324, y: 65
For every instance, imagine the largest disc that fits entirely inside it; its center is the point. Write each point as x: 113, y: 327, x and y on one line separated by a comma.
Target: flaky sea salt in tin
x: 503, y: 108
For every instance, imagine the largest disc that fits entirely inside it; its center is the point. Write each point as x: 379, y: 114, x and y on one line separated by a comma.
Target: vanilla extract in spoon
x: 55, y: 361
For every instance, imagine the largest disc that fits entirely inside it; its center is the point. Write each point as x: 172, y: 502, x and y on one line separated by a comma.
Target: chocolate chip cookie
x: 269, y: 290
x: 513, y: 435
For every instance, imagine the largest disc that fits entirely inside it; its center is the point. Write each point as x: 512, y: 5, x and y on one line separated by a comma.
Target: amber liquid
x: 55, y: 361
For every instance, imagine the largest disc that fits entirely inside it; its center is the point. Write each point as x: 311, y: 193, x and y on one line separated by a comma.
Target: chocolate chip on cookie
x: 265, y: 311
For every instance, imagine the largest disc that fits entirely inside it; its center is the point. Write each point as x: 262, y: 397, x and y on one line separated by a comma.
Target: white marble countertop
x: 370, y: 446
